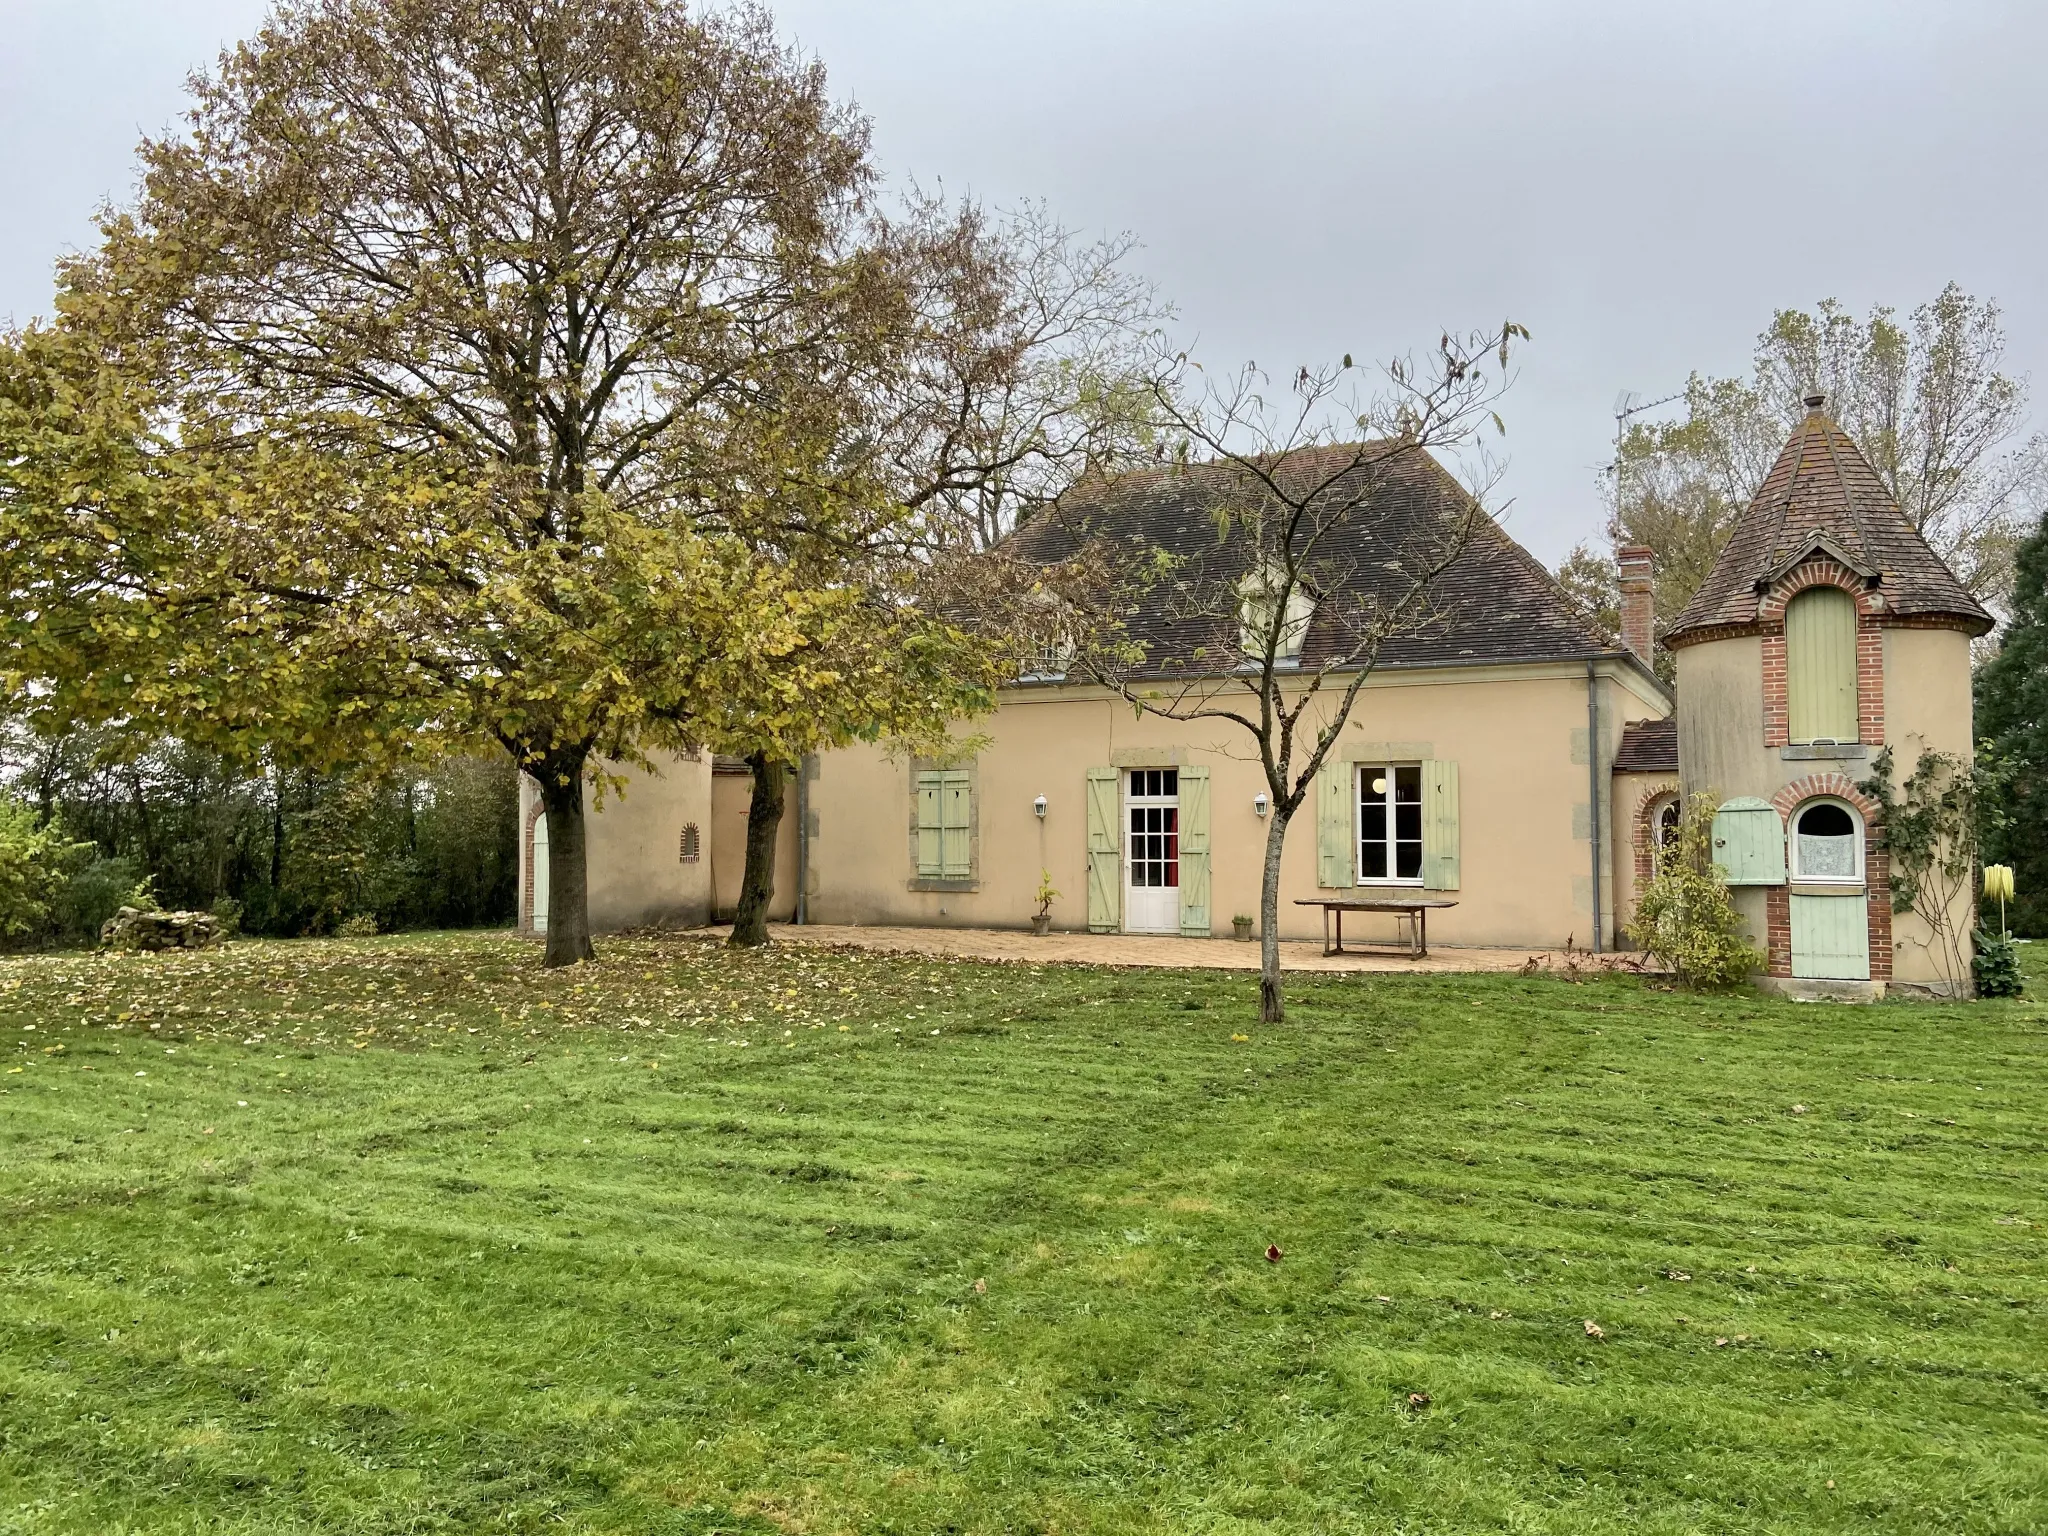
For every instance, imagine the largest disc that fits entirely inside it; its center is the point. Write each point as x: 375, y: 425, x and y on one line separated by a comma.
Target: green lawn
x: 404, y: 1236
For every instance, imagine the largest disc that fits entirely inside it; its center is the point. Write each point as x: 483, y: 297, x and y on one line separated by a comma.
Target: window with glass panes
x: 1390, y: 823
x: 1154, y: 807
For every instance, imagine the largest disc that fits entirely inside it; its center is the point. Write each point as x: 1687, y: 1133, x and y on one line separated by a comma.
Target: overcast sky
x: 1640, y: 183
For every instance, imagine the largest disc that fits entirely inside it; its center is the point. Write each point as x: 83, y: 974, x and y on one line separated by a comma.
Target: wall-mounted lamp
x: 1259, y: 803
x: 1038, y: 807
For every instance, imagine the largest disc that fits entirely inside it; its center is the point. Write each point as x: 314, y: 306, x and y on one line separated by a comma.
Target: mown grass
x: 406, y: 1236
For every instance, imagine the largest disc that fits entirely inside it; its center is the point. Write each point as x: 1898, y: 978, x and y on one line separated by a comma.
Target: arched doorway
x: 1830, y: 911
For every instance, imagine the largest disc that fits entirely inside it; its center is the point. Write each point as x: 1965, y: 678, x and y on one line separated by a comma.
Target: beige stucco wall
x: 1722, y: 753
x: 731, y: 794
x: 633, y: 846
x: 1518, y: 734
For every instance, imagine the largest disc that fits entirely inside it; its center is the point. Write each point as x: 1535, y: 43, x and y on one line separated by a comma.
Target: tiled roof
x: 1822, y: 493
x: 1648, y: 746
x: 1495, y: 602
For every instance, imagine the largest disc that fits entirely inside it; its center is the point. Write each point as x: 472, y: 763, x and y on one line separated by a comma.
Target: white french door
x: 1152, y: 850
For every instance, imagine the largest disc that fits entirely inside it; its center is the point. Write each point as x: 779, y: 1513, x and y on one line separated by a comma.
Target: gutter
x: 1593, y: 791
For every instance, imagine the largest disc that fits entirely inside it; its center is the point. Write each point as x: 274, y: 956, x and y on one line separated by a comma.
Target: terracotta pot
x: 1241, y: 929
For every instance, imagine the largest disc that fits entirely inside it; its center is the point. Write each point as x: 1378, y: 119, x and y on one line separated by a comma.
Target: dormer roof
x: 1823, y: 498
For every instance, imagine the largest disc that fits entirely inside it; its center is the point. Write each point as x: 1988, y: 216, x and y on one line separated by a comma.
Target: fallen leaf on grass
x: 1272, y: 1253
x: 981, y: 1287
x: 1594, y: 1330
x: 1418, y: 1400
x: 1677, y: 1274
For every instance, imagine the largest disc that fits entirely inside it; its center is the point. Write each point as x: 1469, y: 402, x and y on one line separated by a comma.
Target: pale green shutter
x: 1820, y: 665
x: 1749, y: 842
x: 1336, y: 827
x: 1194, y: 853
x: 931, y: 856
x: 955, y: 839
x: 1830, y: 938
x: 1440, y: 826
x: 1105, y: 868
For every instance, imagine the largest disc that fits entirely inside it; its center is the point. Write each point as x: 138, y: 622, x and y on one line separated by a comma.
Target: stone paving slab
x: 1172, y: 953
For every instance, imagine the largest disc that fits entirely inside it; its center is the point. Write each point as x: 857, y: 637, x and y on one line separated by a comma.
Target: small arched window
x: 1827, y: 843
x: 693, y: 843
x: 1667, y: 823
x: 1820, y: 666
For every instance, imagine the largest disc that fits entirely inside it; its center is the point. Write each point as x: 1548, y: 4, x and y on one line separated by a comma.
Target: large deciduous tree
x: 521, y: 370
x: 2012, y: 718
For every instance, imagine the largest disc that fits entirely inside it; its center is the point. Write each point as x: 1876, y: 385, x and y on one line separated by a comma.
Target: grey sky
x: 1640, y: 183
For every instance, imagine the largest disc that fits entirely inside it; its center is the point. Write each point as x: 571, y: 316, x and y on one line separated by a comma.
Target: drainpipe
x: 1593, y: 792
x: 802, y: 914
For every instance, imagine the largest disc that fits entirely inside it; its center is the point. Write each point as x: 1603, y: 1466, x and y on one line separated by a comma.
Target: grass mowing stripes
x: 406, y: 1235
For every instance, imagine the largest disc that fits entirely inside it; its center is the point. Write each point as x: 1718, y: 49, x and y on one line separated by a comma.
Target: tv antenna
x: 1627, y: 405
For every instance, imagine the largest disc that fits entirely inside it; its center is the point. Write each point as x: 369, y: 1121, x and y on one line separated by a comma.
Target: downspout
x: 802, y: 914
x: 1593, y: 792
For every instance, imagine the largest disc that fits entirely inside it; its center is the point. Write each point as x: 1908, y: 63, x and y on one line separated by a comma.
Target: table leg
x: 1422, y: 933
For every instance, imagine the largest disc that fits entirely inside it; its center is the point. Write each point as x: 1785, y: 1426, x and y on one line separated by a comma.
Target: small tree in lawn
x: 1301, y: 509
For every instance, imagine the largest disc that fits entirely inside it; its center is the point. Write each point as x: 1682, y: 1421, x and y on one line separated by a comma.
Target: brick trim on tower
x: 1877, y: 882
x: 1871, y: 614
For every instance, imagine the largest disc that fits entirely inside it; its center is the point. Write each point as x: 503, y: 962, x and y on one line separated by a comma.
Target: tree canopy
x: 539, y: 372
x: 1925, y: 399
x: 2012, y: 720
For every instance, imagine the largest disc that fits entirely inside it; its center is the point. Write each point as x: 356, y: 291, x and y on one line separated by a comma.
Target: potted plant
x: 1041, y: 920
x: 1241, y: 928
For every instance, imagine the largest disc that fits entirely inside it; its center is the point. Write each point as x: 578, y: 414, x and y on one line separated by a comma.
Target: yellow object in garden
x: 1998, y: 882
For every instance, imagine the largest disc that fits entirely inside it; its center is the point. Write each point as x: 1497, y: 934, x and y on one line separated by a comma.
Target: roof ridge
x: 1853, y: 503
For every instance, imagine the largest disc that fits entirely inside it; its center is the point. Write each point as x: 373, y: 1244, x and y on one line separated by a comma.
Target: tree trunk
x: 561, y: 796
x: 276, y: 833
x: 757, y: 884
x: 1272, y: 1006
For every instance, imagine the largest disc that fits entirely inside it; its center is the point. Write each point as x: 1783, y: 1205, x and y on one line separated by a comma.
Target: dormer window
x: 1259, y: 595
x: 1820, y: 667
x: 1052, y: 647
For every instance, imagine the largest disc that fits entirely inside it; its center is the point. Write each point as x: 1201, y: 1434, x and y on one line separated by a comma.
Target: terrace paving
x: 1168, y: 952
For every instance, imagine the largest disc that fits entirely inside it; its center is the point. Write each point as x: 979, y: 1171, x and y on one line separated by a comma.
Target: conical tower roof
x: 1822, y: 495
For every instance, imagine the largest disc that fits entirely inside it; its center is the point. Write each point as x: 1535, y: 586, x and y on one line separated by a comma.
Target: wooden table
x: 1415, y: 908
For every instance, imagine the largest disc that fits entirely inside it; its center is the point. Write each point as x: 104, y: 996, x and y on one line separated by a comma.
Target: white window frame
x: 1359, y: 782
x: 1793, y: 860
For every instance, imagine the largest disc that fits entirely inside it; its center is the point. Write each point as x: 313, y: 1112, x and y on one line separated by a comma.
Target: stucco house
x: 1501, y: 757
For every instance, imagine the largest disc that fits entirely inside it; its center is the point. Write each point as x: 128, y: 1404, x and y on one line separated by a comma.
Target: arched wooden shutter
x: 1749, y: 842
x: 1820, y: 666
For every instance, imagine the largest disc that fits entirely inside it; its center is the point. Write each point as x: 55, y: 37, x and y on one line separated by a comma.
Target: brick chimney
x: 1638, y: 604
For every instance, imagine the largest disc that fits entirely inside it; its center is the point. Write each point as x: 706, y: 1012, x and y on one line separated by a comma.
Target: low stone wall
x: 132, y: 928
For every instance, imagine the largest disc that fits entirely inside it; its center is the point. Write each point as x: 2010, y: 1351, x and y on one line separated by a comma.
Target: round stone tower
x: 1827, y: 631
